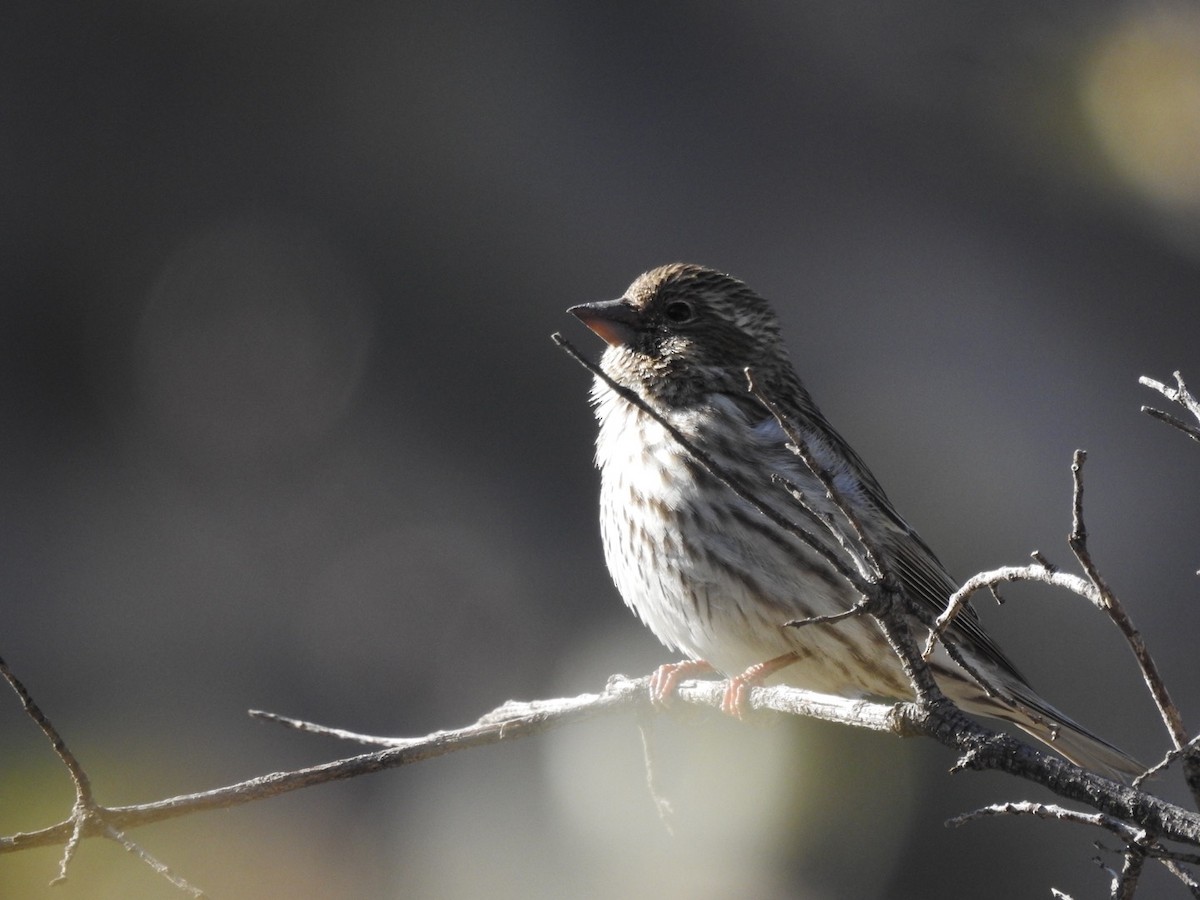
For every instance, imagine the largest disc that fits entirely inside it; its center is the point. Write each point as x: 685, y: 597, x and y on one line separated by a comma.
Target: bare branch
x: 510, y: 721
x: 890, y: 614
x: 311, y: 728
x: 155, y: 864
x: 666, y: 813
x: 1037, y: 573
x: 1139, y: 843
x: 83, y: 787
x: 1077, y: 540
x: 831, y: 526
x: 1125, y: 882
x: 1190, y: 430
x: 1166, y: 761
x: 1179, y: 394
x: 987, y: 749
x: 87, y: 816
x: 1126, y: 832
x: 1189, y: 880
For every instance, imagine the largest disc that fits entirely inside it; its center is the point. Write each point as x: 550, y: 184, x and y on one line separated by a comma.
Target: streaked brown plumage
x: 713, y: 577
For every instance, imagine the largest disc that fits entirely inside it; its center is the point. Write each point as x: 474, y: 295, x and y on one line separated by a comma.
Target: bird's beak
x: 613, y: 320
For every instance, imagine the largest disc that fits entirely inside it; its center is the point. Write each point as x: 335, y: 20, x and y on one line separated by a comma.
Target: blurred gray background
x: 281, y: 425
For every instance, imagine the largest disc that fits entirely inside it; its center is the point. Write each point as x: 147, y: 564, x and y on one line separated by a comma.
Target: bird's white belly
x: 704, y: 581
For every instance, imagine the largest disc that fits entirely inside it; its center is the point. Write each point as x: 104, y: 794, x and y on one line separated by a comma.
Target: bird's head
x: 682, y: 332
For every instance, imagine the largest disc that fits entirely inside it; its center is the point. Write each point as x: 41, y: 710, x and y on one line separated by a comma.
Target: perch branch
x: 510, y: 721
x: 987, y: 749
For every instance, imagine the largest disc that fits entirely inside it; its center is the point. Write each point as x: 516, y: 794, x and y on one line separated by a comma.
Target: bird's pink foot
x: 667, y: 677
x: 737, y: 690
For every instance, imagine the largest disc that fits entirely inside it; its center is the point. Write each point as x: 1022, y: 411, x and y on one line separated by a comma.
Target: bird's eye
x: 678, y: 311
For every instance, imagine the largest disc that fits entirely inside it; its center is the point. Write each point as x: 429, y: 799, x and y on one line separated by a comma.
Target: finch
x: 715, y: 578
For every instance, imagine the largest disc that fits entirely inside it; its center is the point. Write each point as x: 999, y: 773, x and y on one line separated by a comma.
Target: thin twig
x: 1190, y: 430
x: 1167, y: 760
x: 876, y: 564
x: 1036, y: 573
x: 1189, y: 880
x: 159, y: 867
x: 311, y: 728
x: 87, y: 816
x: 85, y: 803
x: 859, y: 609
x: 830, y: 526
x: 1179, y: 394
x: 1126, y: 881
x: 895, y: 626
x: 1041, y: 560
x: 718, y: 472
x: 1050, y: 811
x: 1138, y: 843
x: 83, y: 785
x: 1078, y: 542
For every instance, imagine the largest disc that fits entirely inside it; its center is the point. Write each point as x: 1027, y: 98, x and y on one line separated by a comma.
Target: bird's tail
x: 1060, y: 733
x: 1083, y: 748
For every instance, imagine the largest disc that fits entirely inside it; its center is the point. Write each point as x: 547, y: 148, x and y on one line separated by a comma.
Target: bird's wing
x: 925, y: 579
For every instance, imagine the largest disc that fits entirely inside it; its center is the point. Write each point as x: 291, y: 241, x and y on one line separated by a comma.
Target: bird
x: 715, y: 576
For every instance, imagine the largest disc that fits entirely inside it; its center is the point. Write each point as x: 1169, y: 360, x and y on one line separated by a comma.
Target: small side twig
x: 875, y: 563
x: 1178, y: 394
x: 1187, y: 878
x: 1167, y: 760
x: 859, y: 609
x: 1077, y: 540
x: 313, y: 728
x: 1041, y: 560
x: 1038, y: 572
x: 828, y: 523
x: 1049, y: 811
